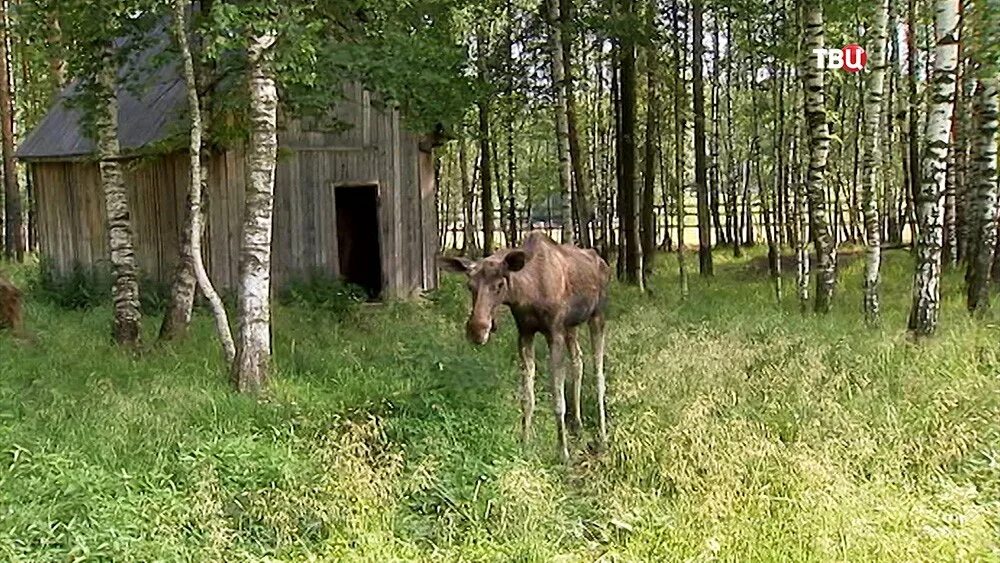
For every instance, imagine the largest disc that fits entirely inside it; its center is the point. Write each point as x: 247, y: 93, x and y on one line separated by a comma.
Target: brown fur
x: 11, y: 306
x: 550, y: 289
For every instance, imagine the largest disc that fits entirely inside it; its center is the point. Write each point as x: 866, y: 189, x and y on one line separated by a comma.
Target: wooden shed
x: 356, y: 201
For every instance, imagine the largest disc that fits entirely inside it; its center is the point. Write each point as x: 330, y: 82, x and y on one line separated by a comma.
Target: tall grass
x: 742, y: 430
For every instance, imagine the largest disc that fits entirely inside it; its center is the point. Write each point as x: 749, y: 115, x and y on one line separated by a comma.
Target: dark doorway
x: 358, y: 237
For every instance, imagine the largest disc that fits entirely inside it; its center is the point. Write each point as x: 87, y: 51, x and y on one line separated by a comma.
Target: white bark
x: 125, y: 292
x: 195, y: 214
x: 802, y: 246
x: 872, y: 150
x: 177, y: 318
x: 819, y: 150
x: 253, y: 345
x: 562, y: 123
x: 930, y: 197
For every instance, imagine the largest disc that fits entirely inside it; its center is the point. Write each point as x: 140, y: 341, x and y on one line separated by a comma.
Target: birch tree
x: 485, y: 168
x: 680, y: 37
x: 929, y: 199
x: 97, y: 38
x: 191, y: 270
x: 127, y: 323
x: 647, y: 225
x: 562, y: 125
x: 469, y: 241
x: 983, y: 204
x: 912, y: 118
x: 872, y: 149
x: 253, y: 336
x: 581, y: 182
x: 700, y: 173
x: 819, y: 150
x: 180, y: 304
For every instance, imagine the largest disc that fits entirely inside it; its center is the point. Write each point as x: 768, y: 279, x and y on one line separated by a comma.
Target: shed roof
x: 148, y: 111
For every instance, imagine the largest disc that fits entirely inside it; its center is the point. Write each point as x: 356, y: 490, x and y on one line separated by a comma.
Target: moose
x: 552, y: 289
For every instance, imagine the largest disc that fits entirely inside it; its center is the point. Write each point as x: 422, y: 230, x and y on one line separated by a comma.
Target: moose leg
x: 557, y: 349
x: 526, y: 347
x: 597, y: 339
x: 575, y: 381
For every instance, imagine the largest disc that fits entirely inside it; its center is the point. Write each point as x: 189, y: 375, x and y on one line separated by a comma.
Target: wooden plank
x: 308, y: 194
x: 218, y: 203
x: 282, y: 219
x: 327, y: 148
x: 233, y: 208
x: 411, y: 245
x: 397, y: 207
x: 208, y: 200
x: 366, y: 118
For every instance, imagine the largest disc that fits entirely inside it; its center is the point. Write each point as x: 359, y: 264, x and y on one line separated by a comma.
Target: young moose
x: 550, y: 288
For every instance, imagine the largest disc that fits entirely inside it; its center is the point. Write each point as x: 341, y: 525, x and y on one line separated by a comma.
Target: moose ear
x: 458, y: 264
x: 515, y: 260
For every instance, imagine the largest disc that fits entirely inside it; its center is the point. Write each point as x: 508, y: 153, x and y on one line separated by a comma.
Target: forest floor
x: 741, y: 430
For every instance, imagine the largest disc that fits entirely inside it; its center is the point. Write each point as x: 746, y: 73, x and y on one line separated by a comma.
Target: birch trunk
x: 930, y: 198
x: 177, y: 318
x: 647, y: 225
x: 57, y: 64
x: 912, y: 116
x: 819, y: 150
x: 468, y: 202
x: 872, y: 150
x: 599, y: 158
x: 700, y: 172
x: 679, y: 129
x: 983, y: 209
x: 892, y: 231
x: 780, y: 186
x: 513, y: 229
x: 582, y: 193
x: 125, y: 291
x: 715, y: 191
x: 732, y: 212
x: 191, y: 266
x: 949, y: 251
x: 766, y: 199
x: 963, y: 141
x: 562, y: 125
x: 486, y: 178
x: 800, y: 211
x: 253, y: 341
x: 485, y: 168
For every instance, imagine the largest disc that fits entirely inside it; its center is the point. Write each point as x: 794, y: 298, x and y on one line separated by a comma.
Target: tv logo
x: 851, y: 58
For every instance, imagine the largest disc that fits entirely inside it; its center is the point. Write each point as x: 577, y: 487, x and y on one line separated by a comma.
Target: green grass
x: 742, y: 431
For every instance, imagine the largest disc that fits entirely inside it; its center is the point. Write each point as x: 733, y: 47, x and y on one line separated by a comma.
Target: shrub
x: 81, y: 288
x: 87, y: 287
x: 325, y: 293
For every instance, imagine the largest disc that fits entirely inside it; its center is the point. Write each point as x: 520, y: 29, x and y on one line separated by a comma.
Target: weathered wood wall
x: 372, y: 149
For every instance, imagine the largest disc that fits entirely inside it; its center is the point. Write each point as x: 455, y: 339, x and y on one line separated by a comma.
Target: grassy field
x: 742, y: 431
